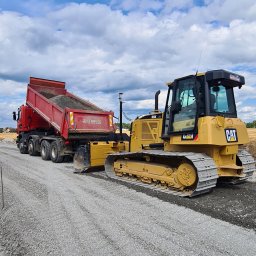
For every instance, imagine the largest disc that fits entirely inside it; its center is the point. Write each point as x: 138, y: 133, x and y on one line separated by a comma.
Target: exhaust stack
x: 156, y: 101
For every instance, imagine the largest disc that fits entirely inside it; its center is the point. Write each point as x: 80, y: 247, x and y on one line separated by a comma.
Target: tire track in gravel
x: 109, y: 197
x: 234, y: 204
x: 26, y: 209
x: 95, y: 221
x: 52, y: 211
x: 121, y: 229
x: 55, y: 211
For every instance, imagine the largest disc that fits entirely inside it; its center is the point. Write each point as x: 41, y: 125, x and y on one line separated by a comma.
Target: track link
x: 248, y: 162
x: 249, y: 166
x: 205, y: 166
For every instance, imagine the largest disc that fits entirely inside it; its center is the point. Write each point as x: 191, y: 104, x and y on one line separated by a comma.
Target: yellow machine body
x: 145, y: 131
x: 187, y: 154
x: 212, y: 140
x: 100, y: 150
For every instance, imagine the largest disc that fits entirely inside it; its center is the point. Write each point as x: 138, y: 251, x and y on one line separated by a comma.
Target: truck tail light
x: 110, y: 117
x: 71, y: 118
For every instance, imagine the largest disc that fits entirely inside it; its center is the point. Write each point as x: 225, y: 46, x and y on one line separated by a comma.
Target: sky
x: 101, y: 48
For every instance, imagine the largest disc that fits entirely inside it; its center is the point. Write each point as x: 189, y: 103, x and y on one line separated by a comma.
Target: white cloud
x: 6, y: 109
x: 248, y: 113
x: 9, y: 88
x: 99, y: 51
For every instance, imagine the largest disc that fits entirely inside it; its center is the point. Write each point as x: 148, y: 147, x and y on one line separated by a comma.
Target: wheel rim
x: 54, y: 153
x: 21, y: 146
x: 30, y: 147
x: 43, y: 152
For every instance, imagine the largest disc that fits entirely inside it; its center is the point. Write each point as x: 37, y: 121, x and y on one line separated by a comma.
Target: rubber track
x: 205, y: 166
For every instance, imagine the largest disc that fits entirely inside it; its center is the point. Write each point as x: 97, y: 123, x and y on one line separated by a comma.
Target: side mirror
x: 176, y: 107
x: 14, y: 117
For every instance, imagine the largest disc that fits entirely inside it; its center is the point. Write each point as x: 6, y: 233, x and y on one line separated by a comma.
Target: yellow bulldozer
x: 192, y: 144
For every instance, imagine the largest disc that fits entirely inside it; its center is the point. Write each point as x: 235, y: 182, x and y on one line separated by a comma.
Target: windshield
x: 222, y: 100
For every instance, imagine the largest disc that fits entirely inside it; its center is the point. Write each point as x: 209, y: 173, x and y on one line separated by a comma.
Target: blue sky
x: 101, y: 48
x: 25, y: 6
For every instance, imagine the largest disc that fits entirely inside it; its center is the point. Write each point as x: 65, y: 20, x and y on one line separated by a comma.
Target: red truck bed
x: 70, y: 115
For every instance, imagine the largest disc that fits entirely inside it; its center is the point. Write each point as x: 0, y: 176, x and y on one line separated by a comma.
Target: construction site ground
x: 49, y: 210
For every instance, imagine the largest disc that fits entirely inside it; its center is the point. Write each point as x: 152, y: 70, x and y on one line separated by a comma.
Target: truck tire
x: 55, y: 152
x: 31, y: 148
x: 23, y: 149
x: 45, y: 150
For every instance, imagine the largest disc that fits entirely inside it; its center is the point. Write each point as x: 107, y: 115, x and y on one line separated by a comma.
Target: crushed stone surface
x: 64, y: 101
x: 1, y: 251
x: 49, y: 210
x: 7, y: 140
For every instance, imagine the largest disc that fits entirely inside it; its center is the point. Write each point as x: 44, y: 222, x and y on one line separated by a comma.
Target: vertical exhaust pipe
x: 121, y: 115
x: 156, y: 101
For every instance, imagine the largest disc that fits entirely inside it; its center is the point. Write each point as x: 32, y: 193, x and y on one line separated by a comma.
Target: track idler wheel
x: 186, y: 175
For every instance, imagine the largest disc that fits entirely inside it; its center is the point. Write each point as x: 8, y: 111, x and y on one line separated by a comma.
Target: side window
x: 219, y: 99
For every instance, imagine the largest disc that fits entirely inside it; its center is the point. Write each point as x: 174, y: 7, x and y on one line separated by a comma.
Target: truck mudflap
x: 205, y: 168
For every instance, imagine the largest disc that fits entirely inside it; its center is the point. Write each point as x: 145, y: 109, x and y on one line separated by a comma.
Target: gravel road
x: 50, y: 210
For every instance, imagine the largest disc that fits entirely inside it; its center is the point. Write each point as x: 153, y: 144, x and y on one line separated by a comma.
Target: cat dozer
x: 193, y: 143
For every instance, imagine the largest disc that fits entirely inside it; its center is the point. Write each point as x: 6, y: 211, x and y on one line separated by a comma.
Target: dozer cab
x: 193, y: 143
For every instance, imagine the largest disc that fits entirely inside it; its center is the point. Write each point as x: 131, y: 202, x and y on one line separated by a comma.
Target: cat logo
x: 188, y: 136
x: 231, y: 135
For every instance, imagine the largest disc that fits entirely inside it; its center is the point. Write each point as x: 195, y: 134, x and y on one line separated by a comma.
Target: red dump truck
x: 55, y: 123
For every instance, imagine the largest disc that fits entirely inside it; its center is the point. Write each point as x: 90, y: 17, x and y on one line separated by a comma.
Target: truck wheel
x: 55, y: 152
x: 31, y: 148
x: 23, y: 149
x: 45, y: 150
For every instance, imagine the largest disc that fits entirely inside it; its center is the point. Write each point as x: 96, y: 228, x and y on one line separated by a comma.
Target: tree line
x: 251, y: 124
x: 125, y: 125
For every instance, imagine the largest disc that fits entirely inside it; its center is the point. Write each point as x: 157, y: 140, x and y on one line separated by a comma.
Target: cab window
x: 222, y: 100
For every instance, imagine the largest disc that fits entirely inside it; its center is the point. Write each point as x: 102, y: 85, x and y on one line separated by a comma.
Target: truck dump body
x: 70, y: 115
